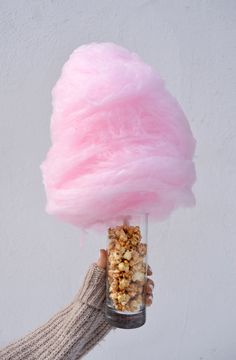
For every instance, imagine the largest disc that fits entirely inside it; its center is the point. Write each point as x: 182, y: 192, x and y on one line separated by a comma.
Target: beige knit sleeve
x: 73, y: 331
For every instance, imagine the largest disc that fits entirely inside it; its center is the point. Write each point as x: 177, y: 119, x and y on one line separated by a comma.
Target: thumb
x: 102, y: 260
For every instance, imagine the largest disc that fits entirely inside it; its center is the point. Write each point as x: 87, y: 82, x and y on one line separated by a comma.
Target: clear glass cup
x: 127, y: 272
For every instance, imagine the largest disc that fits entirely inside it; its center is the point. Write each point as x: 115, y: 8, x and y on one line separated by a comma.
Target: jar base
x: 125, y: 321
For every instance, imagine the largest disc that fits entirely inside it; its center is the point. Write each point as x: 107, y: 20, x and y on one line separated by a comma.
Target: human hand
x: 102, y: 263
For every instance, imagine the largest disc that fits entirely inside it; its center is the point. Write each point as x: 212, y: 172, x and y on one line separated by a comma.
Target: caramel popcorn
x: 132, y: 289
x: 127, y: 255
x: 134, y: 305
x: 124, y: 283
x: 127, y: 275
x: 114, y: 274
x: 123, y: 267
x: 114, y: 295
x: 126, y: 267
x: 135, y: 240
x: 138, y: 276
x: 142, y: 249
x: 139, y: 267
x: 114, y: 285
x: 123, y: 298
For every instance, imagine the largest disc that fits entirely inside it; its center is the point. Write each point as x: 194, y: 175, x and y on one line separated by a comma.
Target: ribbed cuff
x: 93, y: 290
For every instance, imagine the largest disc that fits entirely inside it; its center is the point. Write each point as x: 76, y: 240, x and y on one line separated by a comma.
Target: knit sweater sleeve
x: 73, y: 331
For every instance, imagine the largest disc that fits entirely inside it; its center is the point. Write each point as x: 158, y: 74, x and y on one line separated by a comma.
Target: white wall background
x: 192, y: 44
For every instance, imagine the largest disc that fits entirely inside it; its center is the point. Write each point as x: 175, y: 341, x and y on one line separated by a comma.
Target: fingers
x: 149, y: 292
x: 148, y: 300
x: 149, y: 270
x: 149, y: 286
x: 102, y: 260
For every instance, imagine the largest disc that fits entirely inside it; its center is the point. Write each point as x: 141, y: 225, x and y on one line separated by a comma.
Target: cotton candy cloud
x: 120, y: 142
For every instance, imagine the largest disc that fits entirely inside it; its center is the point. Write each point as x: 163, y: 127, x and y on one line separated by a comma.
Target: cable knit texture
x: 73, y: 331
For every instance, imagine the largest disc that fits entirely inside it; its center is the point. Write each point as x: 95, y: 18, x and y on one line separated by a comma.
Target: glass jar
x: 127, y: 272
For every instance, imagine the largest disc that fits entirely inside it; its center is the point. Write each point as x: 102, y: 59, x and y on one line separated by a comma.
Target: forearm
x: 70, y: 333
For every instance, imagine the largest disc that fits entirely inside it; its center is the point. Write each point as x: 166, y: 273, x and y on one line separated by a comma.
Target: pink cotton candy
x: 121, y: 145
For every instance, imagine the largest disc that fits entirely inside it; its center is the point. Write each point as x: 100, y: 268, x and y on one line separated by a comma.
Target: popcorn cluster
x: 126, y: 267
